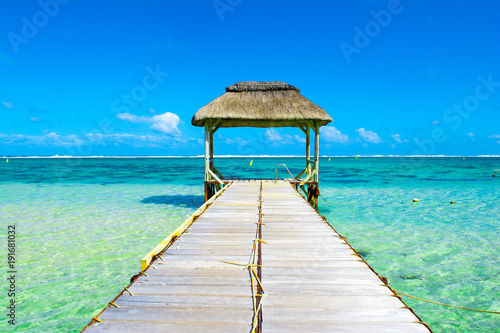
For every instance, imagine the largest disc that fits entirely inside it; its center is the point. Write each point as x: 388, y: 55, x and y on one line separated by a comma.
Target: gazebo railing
x: 276, y: 172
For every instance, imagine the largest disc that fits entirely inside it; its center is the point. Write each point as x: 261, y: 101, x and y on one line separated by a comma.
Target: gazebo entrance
x: 263, y: 104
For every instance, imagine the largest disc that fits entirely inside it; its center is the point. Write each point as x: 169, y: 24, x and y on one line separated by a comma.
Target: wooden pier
x: 258, y: 258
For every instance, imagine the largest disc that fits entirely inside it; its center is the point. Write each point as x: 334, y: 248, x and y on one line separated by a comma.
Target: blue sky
x: 125, y: 77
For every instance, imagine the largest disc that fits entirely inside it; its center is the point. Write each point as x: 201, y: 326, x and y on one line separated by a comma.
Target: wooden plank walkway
x: 313, y: 280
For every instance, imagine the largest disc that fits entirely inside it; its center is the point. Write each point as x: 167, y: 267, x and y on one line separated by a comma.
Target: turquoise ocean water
x: 82, y: 226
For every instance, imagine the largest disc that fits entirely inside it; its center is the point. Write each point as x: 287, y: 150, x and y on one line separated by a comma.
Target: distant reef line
x: 257, y: 156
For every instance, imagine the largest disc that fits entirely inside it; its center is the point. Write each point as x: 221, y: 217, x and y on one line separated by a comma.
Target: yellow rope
x: 253, y: 277
x: 97, y: 319
x: 451, y: 306
x: 131, y: 294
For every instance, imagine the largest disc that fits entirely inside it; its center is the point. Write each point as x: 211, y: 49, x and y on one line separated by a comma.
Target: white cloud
x: 273, y: 135
x: 276, y: 138
x: 331, y: 134
x: 397, y: 138
x: 130, y: 140
x: 8, y: 105
x: 51, y: 139
x: 368, y: 136
x: 164, y: 123
x: 238, y: 141
x: 471, y: 135
x: 435, y: 122
x: 34, y: 119
x: 495, y: 136
x: 299, y: 139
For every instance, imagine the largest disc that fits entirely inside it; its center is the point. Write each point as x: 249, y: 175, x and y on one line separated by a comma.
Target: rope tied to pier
x: 131, y: 294
x: 255, y: 261
x: 451, y: 306
x: 254, y: 277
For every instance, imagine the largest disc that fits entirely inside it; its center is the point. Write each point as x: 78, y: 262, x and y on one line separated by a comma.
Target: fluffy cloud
x: 435, y: 122
x: 368, y: 136
x: 495, y: 136
x: 129, y: 139
x: 237, y: 141
x: 471, y: 135
x: 331, y: 134
x: 397, y: 138
x: 275, y: 137
x: 164, y: 123
x: 8, y: 105
x: 51, y: 139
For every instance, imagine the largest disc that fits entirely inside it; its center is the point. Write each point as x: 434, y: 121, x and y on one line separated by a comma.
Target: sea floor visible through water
x: 82, y: 226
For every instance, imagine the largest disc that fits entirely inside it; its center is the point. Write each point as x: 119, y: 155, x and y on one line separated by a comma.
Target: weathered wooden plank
x: 175, y: 315
x: 182, y: 301
x: 353, y: 327
x: 165, y: 280
x: 228, y: 274
x: 163, y: 289
x: 323, y: 279
x: 343, y: 315
x: 333, y: 302
x: 318, y: 271
x: 326, y: 290
x: 214, y: 264
x: 208, y: 252
x: 155, y: 327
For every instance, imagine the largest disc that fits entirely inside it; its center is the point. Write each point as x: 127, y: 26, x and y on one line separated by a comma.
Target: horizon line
x: 233, y: 156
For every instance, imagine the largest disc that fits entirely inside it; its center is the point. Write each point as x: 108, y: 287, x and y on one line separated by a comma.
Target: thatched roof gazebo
x: 261, y: 104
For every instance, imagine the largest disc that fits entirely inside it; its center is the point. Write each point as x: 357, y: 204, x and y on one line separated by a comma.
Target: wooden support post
x: 308, y: 150
x: 211, y: 148
x: 207, y: 153
x: 208, y: 187
x: 316, y: 149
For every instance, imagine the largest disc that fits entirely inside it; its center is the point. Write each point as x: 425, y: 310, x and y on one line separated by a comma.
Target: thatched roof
x: 261, y: 104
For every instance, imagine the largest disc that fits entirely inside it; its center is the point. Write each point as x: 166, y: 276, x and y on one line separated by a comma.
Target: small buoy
x: 415, y: 200
x: 7, y: 161
x: 356, y: 157
x: 250, y: 163
x: 453, y: 202
x: 329, y: 159
x: 464, y: 158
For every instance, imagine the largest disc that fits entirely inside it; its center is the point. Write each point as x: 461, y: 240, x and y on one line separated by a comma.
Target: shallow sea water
x: 84, y: 224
